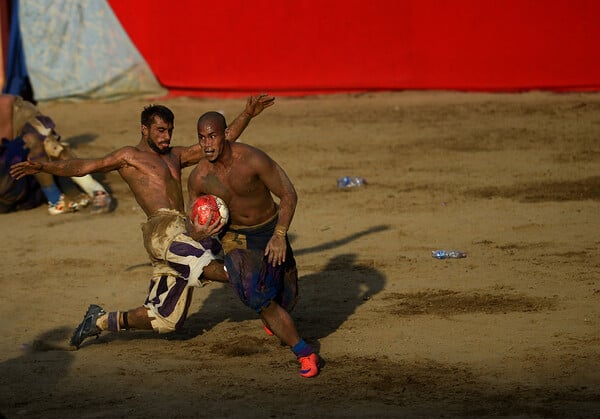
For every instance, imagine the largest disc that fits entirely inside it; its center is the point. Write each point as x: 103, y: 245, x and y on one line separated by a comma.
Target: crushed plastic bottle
x: 350, y: 182
x: 448, y: 254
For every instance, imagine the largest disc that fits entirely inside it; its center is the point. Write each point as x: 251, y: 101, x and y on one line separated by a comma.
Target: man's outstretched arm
x: 71, y: 167
x: 254, y: 106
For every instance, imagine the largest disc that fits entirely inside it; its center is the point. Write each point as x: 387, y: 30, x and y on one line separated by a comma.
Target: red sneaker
x: 269, y: 331
x: 309, y: 365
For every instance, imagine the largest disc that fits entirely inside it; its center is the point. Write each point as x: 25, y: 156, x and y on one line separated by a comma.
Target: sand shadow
x: 338, y: 243
x: 337, y: 291
x: 38, y: 370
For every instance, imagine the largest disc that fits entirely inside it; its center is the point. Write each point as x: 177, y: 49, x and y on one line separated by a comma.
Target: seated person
x: 31, y: 135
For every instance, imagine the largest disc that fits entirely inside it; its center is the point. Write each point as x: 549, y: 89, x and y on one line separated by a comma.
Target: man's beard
x: 155, y: 147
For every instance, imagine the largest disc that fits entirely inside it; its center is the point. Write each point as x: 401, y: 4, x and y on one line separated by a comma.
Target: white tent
x: 78, y: 49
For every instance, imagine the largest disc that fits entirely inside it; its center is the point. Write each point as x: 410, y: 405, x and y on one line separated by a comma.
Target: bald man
x: 258, y: 257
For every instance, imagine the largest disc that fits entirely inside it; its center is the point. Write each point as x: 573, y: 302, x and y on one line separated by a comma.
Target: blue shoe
x: 87, y: 327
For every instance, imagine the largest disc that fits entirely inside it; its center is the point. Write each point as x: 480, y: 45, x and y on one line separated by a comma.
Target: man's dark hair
x: 161, y: 111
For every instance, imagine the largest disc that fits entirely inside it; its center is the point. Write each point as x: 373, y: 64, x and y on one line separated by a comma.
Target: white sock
x: 88, y: 184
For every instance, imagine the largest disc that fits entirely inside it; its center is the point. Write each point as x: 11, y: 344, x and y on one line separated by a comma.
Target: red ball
x: 206, y: 206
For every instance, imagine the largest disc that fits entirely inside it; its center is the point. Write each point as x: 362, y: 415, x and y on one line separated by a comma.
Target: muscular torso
x: 154, y: 179
x: 238, y: 184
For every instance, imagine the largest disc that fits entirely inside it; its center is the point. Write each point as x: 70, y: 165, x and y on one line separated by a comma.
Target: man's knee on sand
x: 148, y: 318
x: 162, y: 325
x: 140, y: 318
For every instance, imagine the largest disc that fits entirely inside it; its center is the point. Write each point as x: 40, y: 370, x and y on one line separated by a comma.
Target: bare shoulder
x: 122, y: 157
x: 252, y: 160
x: 248, y: 151
x: 126, y: 152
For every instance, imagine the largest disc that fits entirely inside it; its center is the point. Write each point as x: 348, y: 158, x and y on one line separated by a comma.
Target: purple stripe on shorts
x: 212, y: 244
x: 183, y: 270
x: 185, y: 249
x: 170, y: 301
x: 162, y: 287
x: 149, y: 291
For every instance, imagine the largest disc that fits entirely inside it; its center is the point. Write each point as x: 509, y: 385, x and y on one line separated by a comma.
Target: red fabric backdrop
x: 307, y: 46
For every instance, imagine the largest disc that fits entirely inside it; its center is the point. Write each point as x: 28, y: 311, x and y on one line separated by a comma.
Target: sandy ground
x: 513, y: 330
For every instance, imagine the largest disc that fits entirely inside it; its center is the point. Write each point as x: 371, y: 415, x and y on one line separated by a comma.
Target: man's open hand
x: 256, y: 104
x: 19, y: 170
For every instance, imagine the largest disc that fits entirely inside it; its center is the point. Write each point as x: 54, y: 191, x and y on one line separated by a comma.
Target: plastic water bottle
x: 350, y: 182
x: 448, y: 254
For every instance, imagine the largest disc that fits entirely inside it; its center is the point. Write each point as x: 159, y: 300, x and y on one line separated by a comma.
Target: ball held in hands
x: 206, y: 206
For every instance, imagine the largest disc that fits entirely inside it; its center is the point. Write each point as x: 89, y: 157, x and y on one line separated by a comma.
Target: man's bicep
x: 274, y: 177
x: 113, y: 161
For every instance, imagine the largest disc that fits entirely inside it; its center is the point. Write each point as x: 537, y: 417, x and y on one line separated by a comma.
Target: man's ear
x: 144, y: 130
x: 227, y: 133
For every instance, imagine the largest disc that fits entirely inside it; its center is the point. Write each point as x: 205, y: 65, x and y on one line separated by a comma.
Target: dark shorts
x: 256, y: 281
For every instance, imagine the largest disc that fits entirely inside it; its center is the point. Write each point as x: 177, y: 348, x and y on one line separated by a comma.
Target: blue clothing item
x: 16, y: 194
x: 52, y: 193
x: 253, y: 278
x: 302, y: 349
x: 16, y: 70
